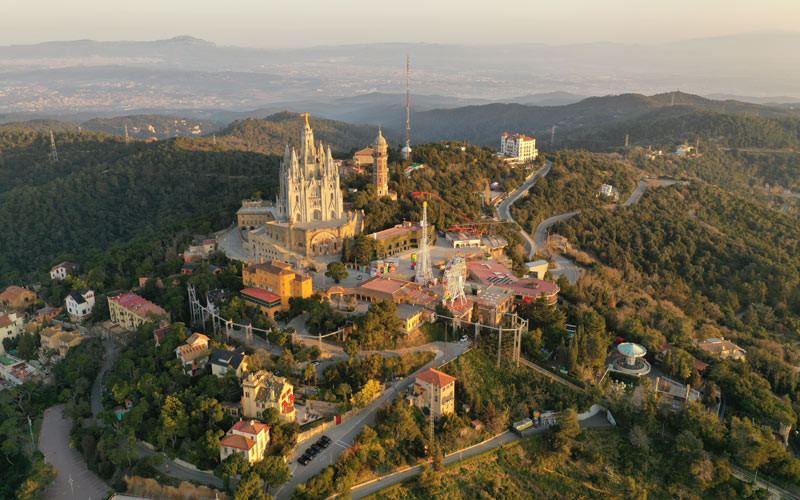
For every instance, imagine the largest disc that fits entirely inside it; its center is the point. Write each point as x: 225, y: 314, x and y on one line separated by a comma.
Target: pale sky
x: 301, y: 23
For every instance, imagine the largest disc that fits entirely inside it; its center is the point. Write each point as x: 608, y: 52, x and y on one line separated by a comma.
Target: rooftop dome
x: 380, y: 141
x: 631, y: 350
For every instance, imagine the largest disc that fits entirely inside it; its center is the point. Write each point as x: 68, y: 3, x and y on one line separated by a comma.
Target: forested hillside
x: 573, y: 183
x: 679, y: 124
x: 139, y: 126
x: 731, y: 265
x: 102, y: 192
x: 483, y: 124
x: 271, y: 134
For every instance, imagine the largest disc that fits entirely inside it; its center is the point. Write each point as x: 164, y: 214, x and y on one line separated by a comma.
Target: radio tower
x: 424, y: 273
x: 406, y: 151
x: 53, y: 152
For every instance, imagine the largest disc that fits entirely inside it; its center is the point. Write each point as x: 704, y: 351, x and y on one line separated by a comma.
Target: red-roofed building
x: 397, y: 291
x: 436, y: 391
x: 518, y: 147
x: 62, y: 270
x: 268, y: 302
x: 250, y: 438
x: 17, y: 297
x: 129, y: 310
x: 526, y: 290
x: 194, y: 353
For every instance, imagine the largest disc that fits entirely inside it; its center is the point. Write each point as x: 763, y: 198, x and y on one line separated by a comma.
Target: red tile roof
x: 435, y: 377
x: 261, y: 294
x: 250, y: 427
x: 238, y: 442
x: 142, y: 307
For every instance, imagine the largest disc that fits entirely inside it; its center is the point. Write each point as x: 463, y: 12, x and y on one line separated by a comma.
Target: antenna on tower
x: 424, y: 273
x: 406, y: 153
x: 53, y: 152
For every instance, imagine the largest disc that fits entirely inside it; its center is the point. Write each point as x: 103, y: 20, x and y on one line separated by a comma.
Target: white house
x: 10, y: 327
x: 62, y: 270
x: 80, y: 304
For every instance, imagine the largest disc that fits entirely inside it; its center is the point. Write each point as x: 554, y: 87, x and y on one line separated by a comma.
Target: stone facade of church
x: 310, y: 217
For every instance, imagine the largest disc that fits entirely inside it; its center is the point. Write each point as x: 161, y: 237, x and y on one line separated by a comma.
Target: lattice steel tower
x: 53, y: 152
x: 424, y: 273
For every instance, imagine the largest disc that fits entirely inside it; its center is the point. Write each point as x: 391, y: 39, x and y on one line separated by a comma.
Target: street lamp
x: 71, y: 487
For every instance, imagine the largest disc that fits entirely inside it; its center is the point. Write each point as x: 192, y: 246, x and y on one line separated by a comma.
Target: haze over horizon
x: 248, y: 23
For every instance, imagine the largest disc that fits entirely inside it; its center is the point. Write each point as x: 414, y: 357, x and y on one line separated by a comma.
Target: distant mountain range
x: 186, y: 73
x: 591, y: 121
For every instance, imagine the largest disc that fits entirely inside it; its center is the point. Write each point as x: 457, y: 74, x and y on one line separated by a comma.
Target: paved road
x: 112, y: 350
x: 565, y: 265
x: 598, y: 420
x: 504, y: 208
x: 54, y: 443
x: 344, y: 434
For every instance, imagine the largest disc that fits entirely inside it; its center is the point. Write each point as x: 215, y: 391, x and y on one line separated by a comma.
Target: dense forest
x: 102, y: 192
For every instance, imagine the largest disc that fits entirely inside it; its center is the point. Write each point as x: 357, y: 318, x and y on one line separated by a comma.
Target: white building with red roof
x: 436, y: 391
x: 250, y: 438
x: 518, y: 147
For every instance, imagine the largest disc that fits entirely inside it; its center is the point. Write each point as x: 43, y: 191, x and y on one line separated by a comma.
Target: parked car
x: 317, y: 448
x: 463, y: 339
x: 304, y: 460
x: 311, y: 452
x: 315, y: 362
x: 323, y: 444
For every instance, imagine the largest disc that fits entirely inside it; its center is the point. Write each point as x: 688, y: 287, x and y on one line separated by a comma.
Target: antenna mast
x: 407, y: 150
x: 424, y: 273
x: 53, y: 152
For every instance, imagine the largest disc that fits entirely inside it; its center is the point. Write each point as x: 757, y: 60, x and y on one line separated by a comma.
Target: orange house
x: 278, y: 278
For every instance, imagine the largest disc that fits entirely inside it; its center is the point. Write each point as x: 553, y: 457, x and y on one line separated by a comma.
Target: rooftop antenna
x: 407, y: 150
x: 424, y: 273
x: 53, y: 152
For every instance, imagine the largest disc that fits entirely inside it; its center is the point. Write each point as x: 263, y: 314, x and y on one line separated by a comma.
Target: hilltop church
x: 308, y: 218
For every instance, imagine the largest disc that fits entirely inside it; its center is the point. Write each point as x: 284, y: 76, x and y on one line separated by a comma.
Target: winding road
x: 539, y: 240
x: 504, y: 208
